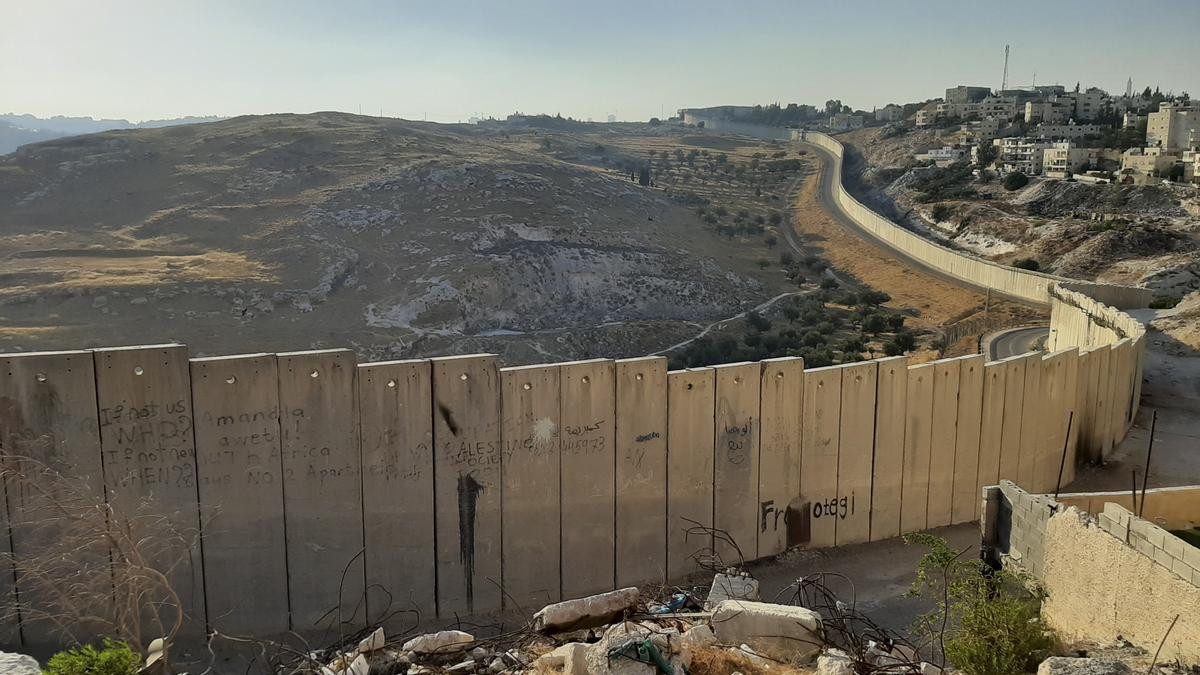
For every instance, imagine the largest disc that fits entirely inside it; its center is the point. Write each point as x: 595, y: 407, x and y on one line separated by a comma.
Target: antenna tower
x: 1004, y: 80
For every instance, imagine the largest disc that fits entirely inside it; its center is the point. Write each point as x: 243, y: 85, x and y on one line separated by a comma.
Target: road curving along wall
x: 302, y: 491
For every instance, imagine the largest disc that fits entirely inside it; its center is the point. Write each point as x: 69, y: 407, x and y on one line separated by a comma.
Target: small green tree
x: 1015, y: 181
x: 987, y: 621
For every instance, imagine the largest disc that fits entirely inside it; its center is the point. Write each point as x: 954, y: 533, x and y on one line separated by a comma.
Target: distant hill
x: 394, y: 238
x: 17, y: 130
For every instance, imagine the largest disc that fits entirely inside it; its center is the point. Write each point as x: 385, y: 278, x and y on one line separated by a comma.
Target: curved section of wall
x: 1029, y: 286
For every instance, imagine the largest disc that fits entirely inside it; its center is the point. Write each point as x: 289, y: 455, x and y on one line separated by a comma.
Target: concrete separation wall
x: 1147, y: 578
x: 302, y: 490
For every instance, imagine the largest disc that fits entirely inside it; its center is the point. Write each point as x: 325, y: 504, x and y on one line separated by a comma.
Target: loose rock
x: 18, y: 664
x: 834, y: 662
x: 442, y: 642
x: 1063, y: 665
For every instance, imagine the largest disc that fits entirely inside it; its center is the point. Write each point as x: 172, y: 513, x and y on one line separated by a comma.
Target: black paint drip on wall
x: 468, y: 495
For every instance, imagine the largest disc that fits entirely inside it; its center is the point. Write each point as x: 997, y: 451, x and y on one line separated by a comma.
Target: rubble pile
x: 629, y: 631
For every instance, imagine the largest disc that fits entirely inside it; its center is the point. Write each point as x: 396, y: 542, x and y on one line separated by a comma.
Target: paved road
x: 1016, y: 341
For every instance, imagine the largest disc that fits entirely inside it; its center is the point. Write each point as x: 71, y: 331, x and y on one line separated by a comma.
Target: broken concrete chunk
x: 463, y: 667
x: 1064, y: 665
x: 731, y: 586
x: 570, y: 658
x: 19, y: 664
x: 442, y: 642
x: 594, y: 610
x: 372, y: 642
x: 604, y: 657
x: 834, y: 662
x: 344, y: 666
x: 781, y: 632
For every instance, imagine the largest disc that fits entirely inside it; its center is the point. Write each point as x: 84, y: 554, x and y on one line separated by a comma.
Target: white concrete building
x: 1065, y: 131
x: 845, y: 122
x: 889, y: 113
x: 943, y: 156
x: 1174, y: 127
x: 1020, y: 153
x: 1064, y: 159
x: 1048, y: 112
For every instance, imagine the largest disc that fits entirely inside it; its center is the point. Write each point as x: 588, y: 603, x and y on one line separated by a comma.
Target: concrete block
x: 1153, y: 533
x: 783, y: 632
x: 442, y: 642
x: 1063, y: 665
x: 594, y: 610
x: 731, y: 587
x: 1163, y: 558
x: 1175, y: 546
x: 890, y: 410
x: 1183, y: 569
x: 946, y: 376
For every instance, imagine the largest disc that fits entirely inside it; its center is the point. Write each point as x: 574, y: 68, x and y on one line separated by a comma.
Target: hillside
x: 18, y: 130
x: 1119, y: 233
x: 394, y: 238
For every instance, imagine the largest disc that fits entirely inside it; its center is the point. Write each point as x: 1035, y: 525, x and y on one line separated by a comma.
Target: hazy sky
x: 449, y: 60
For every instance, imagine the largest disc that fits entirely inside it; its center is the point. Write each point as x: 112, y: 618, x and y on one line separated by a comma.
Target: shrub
x: 1015, y: 181
x: 940, y: 212
x: 906, y: 341
x: 992, y: 624
x: 116, y: 658
x: 1027, y: 264
x: 786, y: 258
x: 892, y: 349
x: 1164, y: 301
x: 829, y: 284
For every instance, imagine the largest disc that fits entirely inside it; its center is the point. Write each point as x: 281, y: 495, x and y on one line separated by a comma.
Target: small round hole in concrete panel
x: 138, y: 370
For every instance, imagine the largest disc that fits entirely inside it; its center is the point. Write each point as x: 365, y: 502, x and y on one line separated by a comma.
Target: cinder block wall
x: 1108, y: 576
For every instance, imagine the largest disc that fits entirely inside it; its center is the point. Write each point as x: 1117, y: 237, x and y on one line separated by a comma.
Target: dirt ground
x: 933, y: 302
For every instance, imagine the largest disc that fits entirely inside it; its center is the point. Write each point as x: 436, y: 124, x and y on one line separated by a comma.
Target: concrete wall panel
x: 641, y: 439
x: 49, y: 432
x: 914, y: 498
x: 891, y: 411
x: 991, y: 426
x: 819, y: 456
x: 589, y: 477
x: 965, y: 505
x: 236, y: 403
x: 395, y: 404
x: 1032, y: 408
x: 466, y: 464
x: 145, y: 414
x: 782, y: 392
x: 946, y: 375
x: 322, y: 488
x: 690, y: 423
x: 530, y: 411
x: 735, y: 462
x: 856, y: 450
x: 1010, y: 437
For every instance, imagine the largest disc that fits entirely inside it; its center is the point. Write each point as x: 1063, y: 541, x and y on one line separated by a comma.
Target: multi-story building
x: 926, y: 116
x: 889, y: 113
x: 1020, y: 153
x: 999, y: 107
x: 1063, y: 159
x: 1145, y: 164
x: 1174, y: 127
x: 1191, y: 166
x: 964, y: 94
x: 979, y: 131
x: 845, y: 122
x: 1050, y: 112
x: 1066, y: 131
x: 1088, y: 104
x: 1132, y: 120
